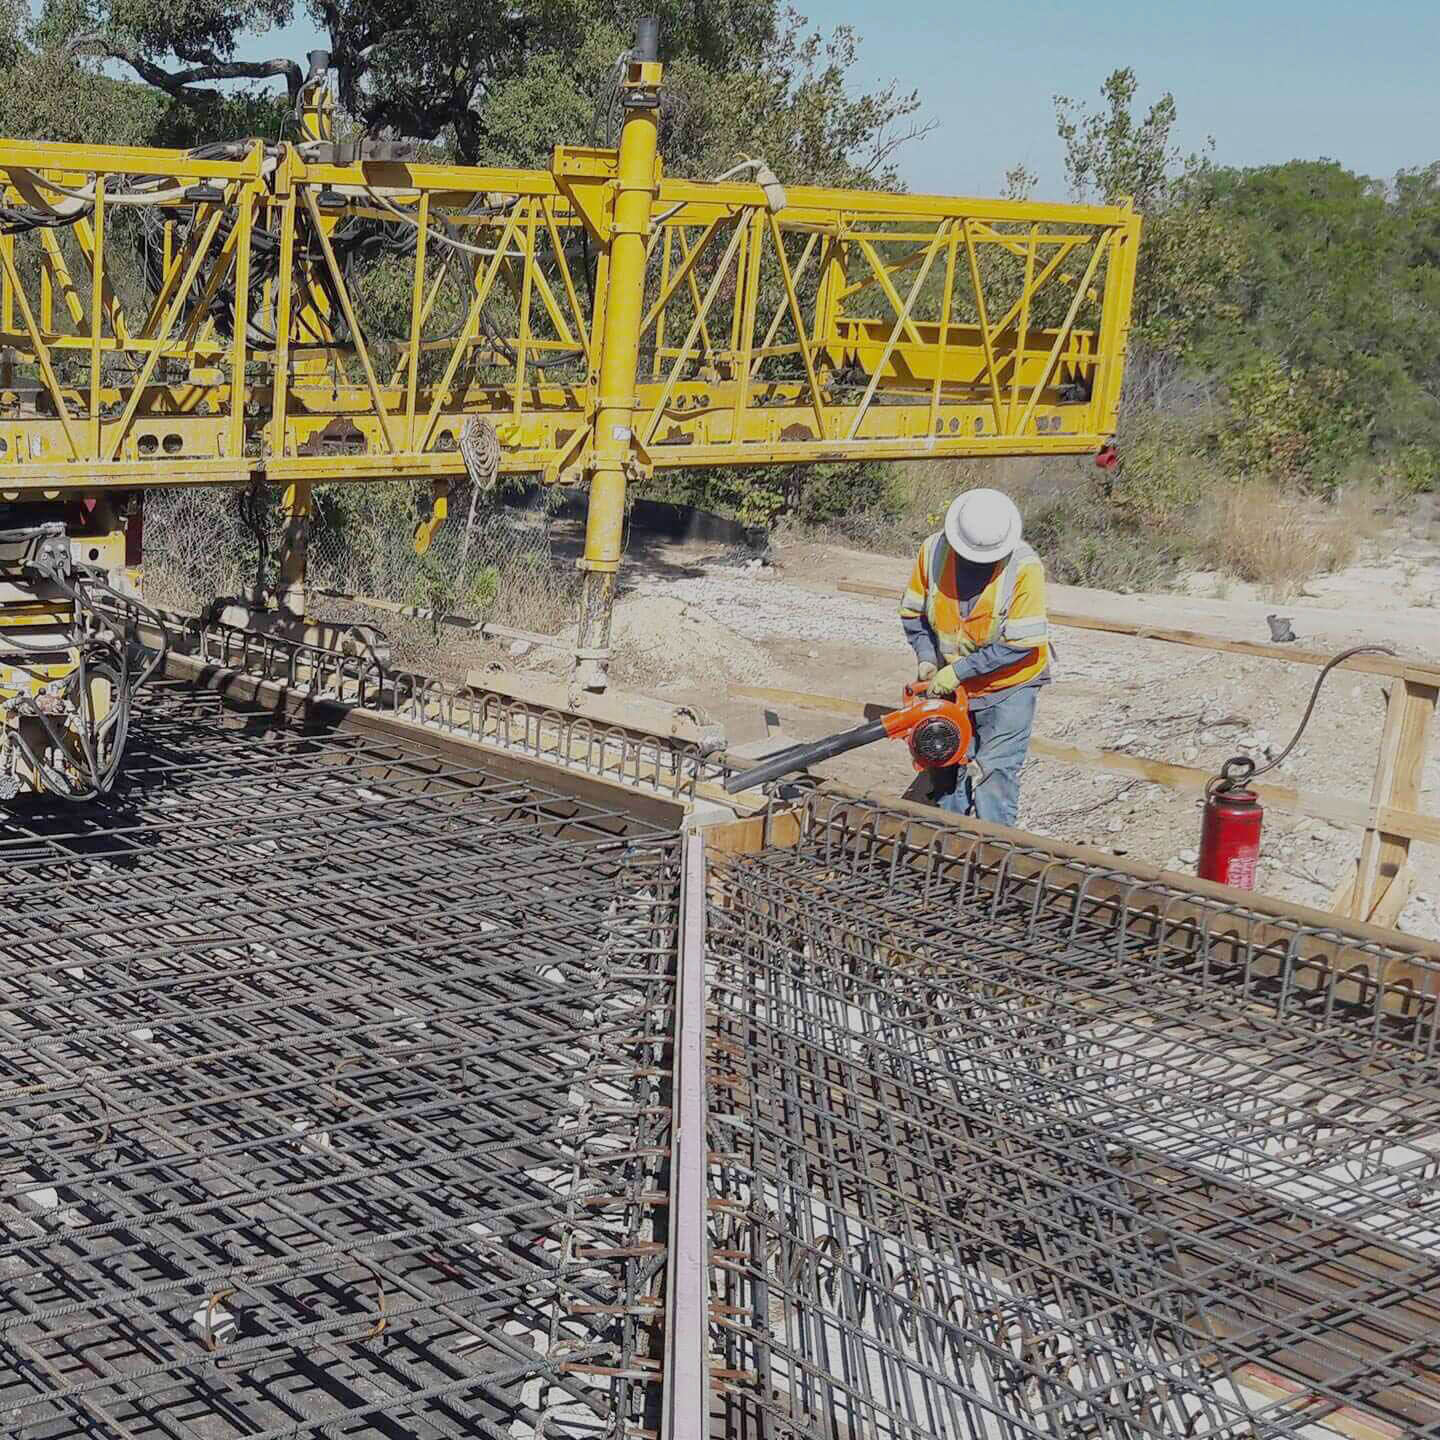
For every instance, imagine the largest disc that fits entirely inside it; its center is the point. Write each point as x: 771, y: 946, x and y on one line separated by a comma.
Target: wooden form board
x: 1382, y: 880
x: 1420, y: 671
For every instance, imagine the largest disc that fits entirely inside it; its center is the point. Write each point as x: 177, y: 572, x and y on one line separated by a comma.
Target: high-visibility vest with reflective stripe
x: 1011, y: 608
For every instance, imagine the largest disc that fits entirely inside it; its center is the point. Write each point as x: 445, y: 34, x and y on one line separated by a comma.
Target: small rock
x: 1116, y: 825
x: 309, y: 1137
x: 1189, y: 857
x: 46, y: 1198
x: 1128, y: 738
x: 1173, y: 863
x: 1208, y: 737
x: 519, y: 649
x: 1189, y: 753
x: 813, y: 654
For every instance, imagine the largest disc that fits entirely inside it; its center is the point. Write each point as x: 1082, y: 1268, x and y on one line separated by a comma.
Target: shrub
x: 1084, y: 540
x: 800, y: 494
x: 1416, y: 470
x: 1290, y: 428
x: 1162, y: 470
x: 1258, y: 532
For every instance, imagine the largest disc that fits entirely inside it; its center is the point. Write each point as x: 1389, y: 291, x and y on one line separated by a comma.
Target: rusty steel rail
x: 332, y: 1094
x: 1003, y: 1147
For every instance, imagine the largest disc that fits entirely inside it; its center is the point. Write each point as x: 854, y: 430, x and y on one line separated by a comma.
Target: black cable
x: 1244, y: 768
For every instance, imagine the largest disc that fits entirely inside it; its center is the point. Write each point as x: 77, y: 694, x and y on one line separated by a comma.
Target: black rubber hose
x: 1240, y: 770
x: 797, y: 757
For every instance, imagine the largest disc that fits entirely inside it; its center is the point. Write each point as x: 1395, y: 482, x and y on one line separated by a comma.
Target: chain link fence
x: 502, y: 557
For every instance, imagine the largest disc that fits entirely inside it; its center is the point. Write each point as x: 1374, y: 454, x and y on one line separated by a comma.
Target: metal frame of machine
x: 206, y: 317
x: 816, y: 337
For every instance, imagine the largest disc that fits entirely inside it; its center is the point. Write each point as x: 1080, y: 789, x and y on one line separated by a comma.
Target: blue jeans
x: 1002, y: 738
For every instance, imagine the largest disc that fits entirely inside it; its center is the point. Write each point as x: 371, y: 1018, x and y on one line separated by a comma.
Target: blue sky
x: 1270, y: 79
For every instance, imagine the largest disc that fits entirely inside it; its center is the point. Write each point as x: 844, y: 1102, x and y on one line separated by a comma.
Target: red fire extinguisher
x: 1230, y: 830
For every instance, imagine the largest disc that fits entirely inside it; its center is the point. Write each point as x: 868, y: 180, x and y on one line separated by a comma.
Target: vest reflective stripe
x: 1006, y: 593
x: 935, y: 562
x: 1024, y: 632
x: 999, y: 595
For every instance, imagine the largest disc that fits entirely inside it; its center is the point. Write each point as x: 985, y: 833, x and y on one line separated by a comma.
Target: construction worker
x: 974, y: 613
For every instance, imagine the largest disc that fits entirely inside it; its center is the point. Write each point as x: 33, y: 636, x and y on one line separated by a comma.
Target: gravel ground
x: 762, y: 608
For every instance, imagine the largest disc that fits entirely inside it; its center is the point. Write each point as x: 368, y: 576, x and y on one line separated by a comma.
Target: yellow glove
x: 924, y: 671
x: 946, y: 682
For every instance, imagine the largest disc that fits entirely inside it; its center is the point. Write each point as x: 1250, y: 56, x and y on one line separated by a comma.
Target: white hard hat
x: 982, y: 525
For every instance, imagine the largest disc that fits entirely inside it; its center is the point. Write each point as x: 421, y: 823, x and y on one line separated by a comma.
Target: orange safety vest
x: 1011, y: 608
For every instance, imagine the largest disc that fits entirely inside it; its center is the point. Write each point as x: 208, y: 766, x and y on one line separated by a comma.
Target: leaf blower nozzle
x: 797, y: 757
x: 937, y: 731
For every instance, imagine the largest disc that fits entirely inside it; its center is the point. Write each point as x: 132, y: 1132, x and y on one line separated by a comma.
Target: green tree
x: 1341, y: 288
x: 503, y: 85
x: 1189, y: 256
x: 1110, y: 154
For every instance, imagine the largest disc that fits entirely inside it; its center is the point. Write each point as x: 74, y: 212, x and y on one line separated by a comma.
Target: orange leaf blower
x: 937, y: 731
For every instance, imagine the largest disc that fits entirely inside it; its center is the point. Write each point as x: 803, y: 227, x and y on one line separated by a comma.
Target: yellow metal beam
x: 847, y: 385
x: 613, y: 443
x: 606, y: 263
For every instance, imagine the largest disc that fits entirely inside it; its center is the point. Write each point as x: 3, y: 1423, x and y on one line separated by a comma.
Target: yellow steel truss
x: 847, y: 325
x: 259, y: 314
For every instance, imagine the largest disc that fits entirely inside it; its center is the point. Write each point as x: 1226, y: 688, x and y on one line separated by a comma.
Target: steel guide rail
x: 332, y: 1095
x: 995, y: 1155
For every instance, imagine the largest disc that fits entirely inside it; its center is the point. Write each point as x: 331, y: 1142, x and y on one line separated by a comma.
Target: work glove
x: 945, y: 682
x: 924, y: 671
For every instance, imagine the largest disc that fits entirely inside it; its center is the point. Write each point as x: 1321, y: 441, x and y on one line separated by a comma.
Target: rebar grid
x: 998, y: 1152
x: 332, y: 1096
x: 660, y: 764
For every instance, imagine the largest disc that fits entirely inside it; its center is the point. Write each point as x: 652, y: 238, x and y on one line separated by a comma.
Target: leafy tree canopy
x: 1309, y: 293
x: 498, y: 85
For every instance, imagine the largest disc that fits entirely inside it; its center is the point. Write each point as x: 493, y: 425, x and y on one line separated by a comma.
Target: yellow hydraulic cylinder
x: 615, y: 404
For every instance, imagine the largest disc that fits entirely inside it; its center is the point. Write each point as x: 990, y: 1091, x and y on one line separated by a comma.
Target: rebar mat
x: 990, y: 1160
x: 331, y: 1095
